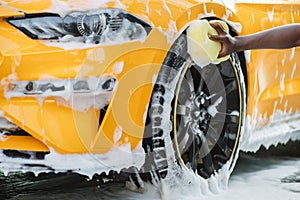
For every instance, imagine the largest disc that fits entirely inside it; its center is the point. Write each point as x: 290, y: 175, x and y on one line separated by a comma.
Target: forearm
x: 276, y: 38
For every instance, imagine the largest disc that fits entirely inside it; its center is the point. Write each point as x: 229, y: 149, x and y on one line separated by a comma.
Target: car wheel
x: 196, y: 114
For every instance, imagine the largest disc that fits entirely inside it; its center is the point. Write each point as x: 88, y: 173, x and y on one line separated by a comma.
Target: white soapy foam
x: 64, y: 7
x: 179, y: 181
x: 69, y: 44
x: 23, y: 123
x: 276, y: 71
x: 292, y: 55
x: 281, y: 128
x: 158, y: 12
x: 154, y: 78
x: 292, y: 16
x: 205, y: 13
x: 17, y: 59
x: 86, y: 164
x: 118, y: 134
x: 227, y: 14
x: 2, y: 136
x: 293, y: 71
x: 258, y: 180
x: 283, y: 60
x: 6, y: 124
x: 282, y: 78
x: 167, y: 8
x: 96, y: 96
x: 235, y: 25
x: 172, y: 31
x: 147, y: 6
x: 262, y: 181
x: 275, y: 106
x: 189, y: 14
x: 228, y: 4
x: 145, y: 114
x: 129, y: 31
x: 212, y: 109
x: 118, y: 67
x: 187, y: 184
x: 286, y: 106
x: 271, y: 15
x: 84, y: 102
x: 253, y: 18
x: 247, y: 55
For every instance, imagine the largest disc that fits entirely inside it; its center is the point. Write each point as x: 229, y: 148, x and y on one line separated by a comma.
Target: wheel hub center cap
x: 199, y: 114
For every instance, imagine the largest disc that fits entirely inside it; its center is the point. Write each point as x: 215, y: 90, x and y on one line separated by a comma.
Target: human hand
x: 226, y: 40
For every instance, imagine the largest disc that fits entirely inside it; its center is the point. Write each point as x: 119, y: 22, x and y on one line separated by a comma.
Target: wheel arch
x: 213, y: 11
x: 242, y: 72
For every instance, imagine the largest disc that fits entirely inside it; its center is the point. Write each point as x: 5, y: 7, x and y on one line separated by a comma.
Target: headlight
x: 102, y: 26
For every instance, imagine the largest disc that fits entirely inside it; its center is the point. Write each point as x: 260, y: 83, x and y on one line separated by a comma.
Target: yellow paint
x: 6, y: 12
x: 28, y: 144
x: 273, y: 75
x: 67, y: 130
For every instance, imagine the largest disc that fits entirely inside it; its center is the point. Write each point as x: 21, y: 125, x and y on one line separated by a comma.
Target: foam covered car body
x: 85, y: 78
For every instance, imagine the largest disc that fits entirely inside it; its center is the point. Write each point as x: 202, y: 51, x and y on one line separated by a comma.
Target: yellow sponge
x: 202, y: 49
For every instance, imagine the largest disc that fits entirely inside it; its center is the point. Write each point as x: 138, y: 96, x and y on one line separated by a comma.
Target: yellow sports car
x: 93, y: 86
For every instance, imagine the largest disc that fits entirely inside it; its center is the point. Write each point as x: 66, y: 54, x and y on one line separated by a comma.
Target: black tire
x: 183, y: 126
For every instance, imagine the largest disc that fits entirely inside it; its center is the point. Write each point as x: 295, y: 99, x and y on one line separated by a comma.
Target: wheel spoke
x: 208, y: 165
x: 183, y: 137
x: 204, y: 151
x: 205, y: 72
x: 215, y: 138
x: 207, y: 117
x: 232, y: 86
x: 229, y: 118
x: 228, y: 89
x: 193, y: 155
x: 230, y: 136
x: 212, y: 77
x: 182, y: 110
x: 197, y: 77
x: 200, y: 87
x: 181, y: 130
x: 190, y: 81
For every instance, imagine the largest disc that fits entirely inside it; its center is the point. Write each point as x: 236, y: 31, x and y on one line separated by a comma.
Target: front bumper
x: 38, y: 91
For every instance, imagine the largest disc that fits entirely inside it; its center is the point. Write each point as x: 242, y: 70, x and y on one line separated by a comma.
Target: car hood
x: 16, y: 7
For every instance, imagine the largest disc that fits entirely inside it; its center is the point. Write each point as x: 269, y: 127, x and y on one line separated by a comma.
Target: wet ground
x: 272, y: 174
